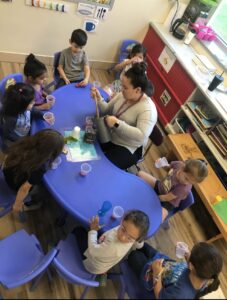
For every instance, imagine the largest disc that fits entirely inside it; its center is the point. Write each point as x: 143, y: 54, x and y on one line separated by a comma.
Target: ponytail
x: 210, y: 288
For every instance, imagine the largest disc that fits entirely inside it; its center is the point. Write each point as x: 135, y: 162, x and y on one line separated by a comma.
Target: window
x: 219, y: 20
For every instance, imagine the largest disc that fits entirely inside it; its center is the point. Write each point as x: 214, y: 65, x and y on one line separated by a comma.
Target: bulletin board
x: 105, y: 3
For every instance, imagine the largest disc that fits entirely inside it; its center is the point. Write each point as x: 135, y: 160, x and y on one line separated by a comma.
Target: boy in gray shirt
x: 73, y: 64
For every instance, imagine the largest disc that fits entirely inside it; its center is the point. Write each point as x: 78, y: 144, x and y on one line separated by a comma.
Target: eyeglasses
x: 126, y: 234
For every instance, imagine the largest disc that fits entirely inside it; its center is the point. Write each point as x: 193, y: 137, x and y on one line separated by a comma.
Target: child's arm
x: 44, y: 106
x: 147, y: 177
x: 167, y: 197
x: 21, y: 195
x: 62, y: 74
x: 86, y: 76
x: 122, y: 65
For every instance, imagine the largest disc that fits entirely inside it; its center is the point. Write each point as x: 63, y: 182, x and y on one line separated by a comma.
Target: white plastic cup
x: 181, y: 249
x: 190, y: 36
x: 118, y: 212
x: 96, y: 84
x: 50, y: 99
x: 161, y: 162
x: 56, y: 163
x: 85, y: 168
x: 49, y: 118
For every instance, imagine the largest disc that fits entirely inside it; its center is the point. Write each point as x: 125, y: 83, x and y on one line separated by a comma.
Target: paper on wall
x: 167, y: 59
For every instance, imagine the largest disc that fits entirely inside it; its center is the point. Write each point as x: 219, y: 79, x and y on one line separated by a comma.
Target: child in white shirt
x: 105, y: 252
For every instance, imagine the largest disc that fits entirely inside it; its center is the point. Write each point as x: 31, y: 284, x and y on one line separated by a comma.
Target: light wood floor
x: 183, y: 227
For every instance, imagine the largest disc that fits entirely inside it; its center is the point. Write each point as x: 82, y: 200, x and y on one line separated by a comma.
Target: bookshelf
x: 186, y: 90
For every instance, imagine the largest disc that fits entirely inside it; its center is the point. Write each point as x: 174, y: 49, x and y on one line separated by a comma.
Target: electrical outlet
x: 165, y: 97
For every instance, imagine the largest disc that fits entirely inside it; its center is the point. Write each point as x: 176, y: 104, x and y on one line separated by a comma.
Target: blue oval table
x: 80, y: 196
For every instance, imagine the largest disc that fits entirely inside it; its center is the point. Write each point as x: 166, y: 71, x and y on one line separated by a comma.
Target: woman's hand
x: 94, y: 223
x: 95, y: 94
x: 67, y: 81
x: 17, y: 207
x: 157, y: 267
x: 111, y: 120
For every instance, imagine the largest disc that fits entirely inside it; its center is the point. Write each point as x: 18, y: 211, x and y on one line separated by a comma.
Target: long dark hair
x: 32, y: 152
x: 138, y: 77
x: 140, y: 220
x: 34, y: 67
x: 17, y: 98
x: 136, y: 49
x: 207, y: 262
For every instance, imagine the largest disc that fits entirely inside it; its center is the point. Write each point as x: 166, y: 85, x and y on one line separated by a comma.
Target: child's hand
x: 67, y: 81
x: 94, y: 223
x: 83, y: 82
x: 17, y: 207
x: 136, y: 59
x: 157, y: 267
x: 95, y: 94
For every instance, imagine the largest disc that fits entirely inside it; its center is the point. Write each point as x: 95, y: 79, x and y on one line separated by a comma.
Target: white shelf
x: 205, y: 138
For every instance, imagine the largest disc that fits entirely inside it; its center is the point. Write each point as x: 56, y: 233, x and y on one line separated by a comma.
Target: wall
x: 29, y: 29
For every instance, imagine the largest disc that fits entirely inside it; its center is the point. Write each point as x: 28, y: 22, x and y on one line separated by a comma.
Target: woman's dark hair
x: 79, y: 37
x: 138, y: 48
x: 17, y: 98
x: 138, y: 77
x: 207, y: 262
x: 140, y: 220
x: 32, y: 152
x: 33, y: 67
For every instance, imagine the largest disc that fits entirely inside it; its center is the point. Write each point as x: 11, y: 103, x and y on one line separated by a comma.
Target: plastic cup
x: 85, y: 168
x: 161, y: 162
x: 118, y: 212
x: 56, y: 163
x: 181, y: 249
x: 96, y: 84
x: 190, y: 36
x: 50, y: 99
x: 215, y: 82
x: 49, y: 118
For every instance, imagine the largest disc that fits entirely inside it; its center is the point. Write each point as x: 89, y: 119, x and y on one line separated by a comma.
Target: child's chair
x: 187, y: 202
x: 7, y: 81
x: 55, y: 72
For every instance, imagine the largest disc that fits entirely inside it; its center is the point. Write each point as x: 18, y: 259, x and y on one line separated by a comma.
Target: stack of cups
x: 76, y: 132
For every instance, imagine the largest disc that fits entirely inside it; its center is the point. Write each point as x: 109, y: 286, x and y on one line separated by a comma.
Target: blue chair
x: 187, y: 202
x: 7, y: 196
x: 69, y: 265
x: 7, y: 81
x: 130, y: 284
x: 22, y: 260
x: 55, y: 71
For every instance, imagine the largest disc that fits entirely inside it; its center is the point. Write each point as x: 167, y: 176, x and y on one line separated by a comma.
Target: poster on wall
x: 167, y: 59
x: 90, y: 25
x: 85, y: 9
x: 101, y: 12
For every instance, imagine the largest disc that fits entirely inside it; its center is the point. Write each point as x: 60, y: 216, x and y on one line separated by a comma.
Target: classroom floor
x: 187, y: 226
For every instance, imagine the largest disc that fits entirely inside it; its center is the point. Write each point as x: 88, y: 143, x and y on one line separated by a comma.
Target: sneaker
x: 102, y: 279
x: 32, y: 206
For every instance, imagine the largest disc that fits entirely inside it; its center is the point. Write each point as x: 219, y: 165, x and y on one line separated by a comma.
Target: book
x: 217, y: 145
x: 221, y: 210
x: 219, y: 142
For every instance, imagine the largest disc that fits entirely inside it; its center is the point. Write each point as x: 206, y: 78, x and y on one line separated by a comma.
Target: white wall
x: 25, y: 29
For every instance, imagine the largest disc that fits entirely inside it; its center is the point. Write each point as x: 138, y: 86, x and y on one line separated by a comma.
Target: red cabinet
x: 172, y: 88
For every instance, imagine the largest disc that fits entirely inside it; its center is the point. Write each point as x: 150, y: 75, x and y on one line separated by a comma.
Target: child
x: 105, y: 252
x: 137, y: 54
x: 169, y: 279
x: 175, y: 187
x: 18, y: 112
x: 28, y: 159
x: 73, y: 64
x: 36, y: 73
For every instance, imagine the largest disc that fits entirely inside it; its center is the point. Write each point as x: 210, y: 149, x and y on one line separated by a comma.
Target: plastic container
x: 85, y: 168
x: 56, y: 163
x: 181, y: 249
x: 118, y: 212
x: 76, y: 132
x: 50, y: 99
x: 161, y: 162
x: 49, y: 118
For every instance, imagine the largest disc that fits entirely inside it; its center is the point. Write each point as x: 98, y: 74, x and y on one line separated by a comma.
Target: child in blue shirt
x: 17, y: 112
x: 169, y: 279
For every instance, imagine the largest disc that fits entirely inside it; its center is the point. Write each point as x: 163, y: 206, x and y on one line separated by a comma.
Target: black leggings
x: 121, y: 156
x: 138, y: 259
x: 81, y: 235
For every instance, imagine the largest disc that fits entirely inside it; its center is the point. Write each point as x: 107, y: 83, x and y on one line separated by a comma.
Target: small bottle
x: 76, y: 132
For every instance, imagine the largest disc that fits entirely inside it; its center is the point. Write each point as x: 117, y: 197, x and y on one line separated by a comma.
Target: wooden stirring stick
x: 97, y: 107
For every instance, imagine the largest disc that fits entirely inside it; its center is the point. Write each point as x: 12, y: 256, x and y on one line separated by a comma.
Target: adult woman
x: 131, y: 116
x: 28, y: 159
x: 169, y: 279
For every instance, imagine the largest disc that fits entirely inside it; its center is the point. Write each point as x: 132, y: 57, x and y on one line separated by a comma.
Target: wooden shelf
x: 205, y: 138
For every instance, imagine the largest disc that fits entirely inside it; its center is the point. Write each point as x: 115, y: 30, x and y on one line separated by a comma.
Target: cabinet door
x: 166, y: 112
